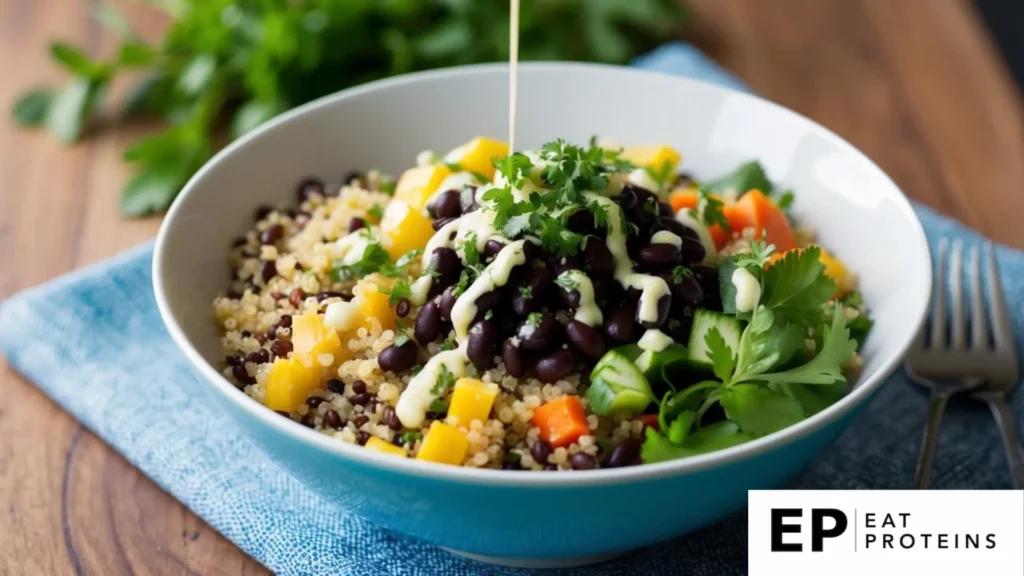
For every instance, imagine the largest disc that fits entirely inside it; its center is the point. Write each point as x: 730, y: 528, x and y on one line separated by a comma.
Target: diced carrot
x: 649, y: 420
x: 757, y: 211
x: 683, y: 199
x: 561, y: 421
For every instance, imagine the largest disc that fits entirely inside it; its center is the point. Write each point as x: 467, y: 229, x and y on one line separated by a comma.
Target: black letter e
x: 779, y: 528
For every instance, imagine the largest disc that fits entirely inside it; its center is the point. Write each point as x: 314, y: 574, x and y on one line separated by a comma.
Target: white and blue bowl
x: 524, y: 518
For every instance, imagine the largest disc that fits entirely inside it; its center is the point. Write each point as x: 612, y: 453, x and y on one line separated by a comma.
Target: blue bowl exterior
x: 538, y: 522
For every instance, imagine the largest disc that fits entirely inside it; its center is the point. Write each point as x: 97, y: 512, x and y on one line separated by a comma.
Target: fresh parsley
x: 400, y: 291
x: 376, y: 212
x: 748, y: 176
x: 526, y: 292
x: 445, y: 382
x: 651, y: 206
x: 411, y: 436
x: 663, y: 175
x: 567, y: 280
x: 760, y: 255
x: 796, y: 285
x: 534, y: 318
x: 679, y: 273
x: 709, y: 210
x: 374, y: 257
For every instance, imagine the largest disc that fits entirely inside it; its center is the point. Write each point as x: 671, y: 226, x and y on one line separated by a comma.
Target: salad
x: 573, y: 307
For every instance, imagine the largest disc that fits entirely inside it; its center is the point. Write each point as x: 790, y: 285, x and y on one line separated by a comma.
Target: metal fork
x: 947, y: 367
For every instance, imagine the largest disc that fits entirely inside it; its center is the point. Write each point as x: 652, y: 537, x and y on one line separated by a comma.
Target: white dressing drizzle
x: 414, y: 403
x: 655, y: 340
x: 493, y: 277
x: 666, y: 237
x: 748, y: 291
x: 587, y: 312
x: 513, y: 69
x: 349, y: 249
x: 643, y: 179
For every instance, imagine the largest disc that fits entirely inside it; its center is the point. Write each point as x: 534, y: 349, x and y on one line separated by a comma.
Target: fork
x: 947, y: 367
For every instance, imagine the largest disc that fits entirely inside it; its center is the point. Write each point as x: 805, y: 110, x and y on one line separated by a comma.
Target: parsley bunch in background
x: 237, y: 63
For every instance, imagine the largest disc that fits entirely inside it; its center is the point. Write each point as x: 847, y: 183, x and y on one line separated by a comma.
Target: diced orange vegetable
x: 417, y: 185
x: 404, y: 229
x: 374, y: 304
x: 561, y: 421
x: 444, y: 444
x: 311, y: 339
x: 683, y: 199
x: 379, y: 445
x: 757, y: 211
x: 472, y: 399
x: 654, y: 157
x: 834, y: 269
x: 476, y: 155
x: 649, y: 420
x: 289, y: 383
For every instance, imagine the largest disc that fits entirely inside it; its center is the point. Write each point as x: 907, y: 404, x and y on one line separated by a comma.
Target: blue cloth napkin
x: 93, y: 341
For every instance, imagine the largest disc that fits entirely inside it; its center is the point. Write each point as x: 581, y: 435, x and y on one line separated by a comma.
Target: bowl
x: 524, y: 518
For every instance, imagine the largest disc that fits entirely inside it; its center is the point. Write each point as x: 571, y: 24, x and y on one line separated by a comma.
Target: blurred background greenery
x: 233, y: 64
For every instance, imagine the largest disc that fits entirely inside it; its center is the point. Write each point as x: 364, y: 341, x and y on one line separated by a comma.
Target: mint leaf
x: 722, y: 357
x: 759, y: 410
x: 32, y: 107
x: 745, y: 178
x: 796, y: 286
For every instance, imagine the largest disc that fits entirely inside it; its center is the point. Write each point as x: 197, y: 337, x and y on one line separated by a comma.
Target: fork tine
x: 958, y: 323
x: 1002, y: 333
x: 979, y: 323
x: 939, y: 297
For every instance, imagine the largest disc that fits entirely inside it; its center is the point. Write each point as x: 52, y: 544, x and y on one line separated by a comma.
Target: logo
x: 886, y: 532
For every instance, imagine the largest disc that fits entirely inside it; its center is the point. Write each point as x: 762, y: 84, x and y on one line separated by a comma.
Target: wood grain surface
x: 915, y: 84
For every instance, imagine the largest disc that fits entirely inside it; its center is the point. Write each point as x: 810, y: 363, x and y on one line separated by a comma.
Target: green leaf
x: 745, y: 178
x: 374, y: 258
x: 153, y: 188
x: 710, y: 210
x: 113, y: 18
x: 759, y: 410
x: 814, y: 399
x: 722, y: 357
x: 135, y: 55
x: 796, y: 286
x: 825, y: 368
x: 760, y: 254
x: 767, y: 342
x: 70, y: 108
x: 198, y: 74
x: 73, y: 59
x: 252, y: 114
x: 445, y: 40
x: 680, y: 427
x: 717, y: 436
x: 31, y: 108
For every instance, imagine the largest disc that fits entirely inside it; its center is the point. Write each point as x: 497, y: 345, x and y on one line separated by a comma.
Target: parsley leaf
x: 680, y: 272
x: 567, y: 280
x: 796, y: 285
x: 526, y: 292
x: 717, y: 436
x: 748, y: 176
x: 785, y: 201
x: 759, y: 410
x: 400, y: 340
x: 515, y: 168
x: 662, y: 175
x: 439, y: 406
x: 709, y: 210
x: 373, y: 259
x: 376, y: 212
x: 766, y: 343
x: 445, y: 382
x: 534, y: 318
x: 760, y: 254
x: 410, y: 436
x: 722, y: 357
x: 400, y: 291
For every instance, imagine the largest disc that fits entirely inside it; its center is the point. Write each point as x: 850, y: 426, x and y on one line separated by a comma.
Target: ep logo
x: 824, y: 523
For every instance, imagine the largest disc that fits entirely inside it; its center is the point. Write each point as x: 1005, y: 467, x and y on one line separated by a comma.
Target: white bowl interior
x: 859, y: 213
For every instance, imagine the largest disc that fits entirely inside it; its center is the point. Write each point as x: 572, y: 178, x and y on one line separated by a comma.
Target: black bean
x: 480, y: 348
x: 487, y: 303
x: 447, y: 265
x: 559, y: 265
x: 296, y: 297
x: 513, y: 359
x: 245, y: 334
x: 362, y: 437
x: 664, y: 304
x: 585, y: 339
x: 570, y: 298
x: 442, y: 222
x: 446, y: 302
x: 321, y: 296
x: 539, y: 333
x: 360, y: 399
x: 359, y: 387
x: 581, y: 222
x: 398, y: 358
x: 551, y: 468
x: 356, y: 224
x: 281, y: 348
x: 308, y: 187
x: 618, y: 326
x: 626, y: 453
x: 428, y: 324
x: 332, y: 420
x: 390, y: 417
x: 607, y: 291
x: 688, y: 290
x: 272, y: 234
x: 659, y: 256
x: 309, y: 420
x: 285, y: 321
x: 509, y: 465
x: 692, y: 251
x: 360, y: 420
x: 267, y: 271
x: 242, y: 375
x: 234, y: 360
x: 314, y: 401
x: 597, y: 256
x: 446, y: 205
x: 260, y: 356
x: 555, y: 366
x: 540, y: 451
x: 261, y: 338
x: 262, y: 211
x: 336, y: 386
x: 403, y: 307
x: 492, y: 247
x: 582, y: 461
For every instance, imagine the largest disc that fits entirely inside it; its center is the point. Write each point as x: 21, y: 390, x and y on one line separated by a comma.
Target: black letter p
x: 818, y: 532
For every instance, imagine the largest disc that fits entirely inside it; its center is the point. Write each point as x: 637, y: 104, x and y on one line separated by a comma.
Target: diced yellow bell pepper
x: 472, y: 399
x: 836, y: 270
x: 404, y: 229
x: 311, y: 339
x: 653, y: 157
x: 379, y: 445
x: 374, y: 304
x: 444, y: 444
x: 476, y: 155
x: 418, y: 184
x: 289, y: 383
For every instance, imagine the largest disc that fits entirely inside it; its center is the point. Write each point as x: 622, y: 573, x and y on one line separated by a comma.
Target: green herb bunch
x: 241, y: 62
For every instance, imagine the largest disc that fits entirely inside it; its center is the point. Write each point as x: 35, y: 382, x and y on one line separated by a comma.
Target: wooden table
x: 921, y: 90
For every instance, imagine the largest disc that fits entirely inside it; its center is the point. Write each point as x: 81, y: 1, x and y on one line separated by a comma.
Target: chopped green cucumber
x: 703, y: 321
x: 617, y: 385
x: 653, y: 363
